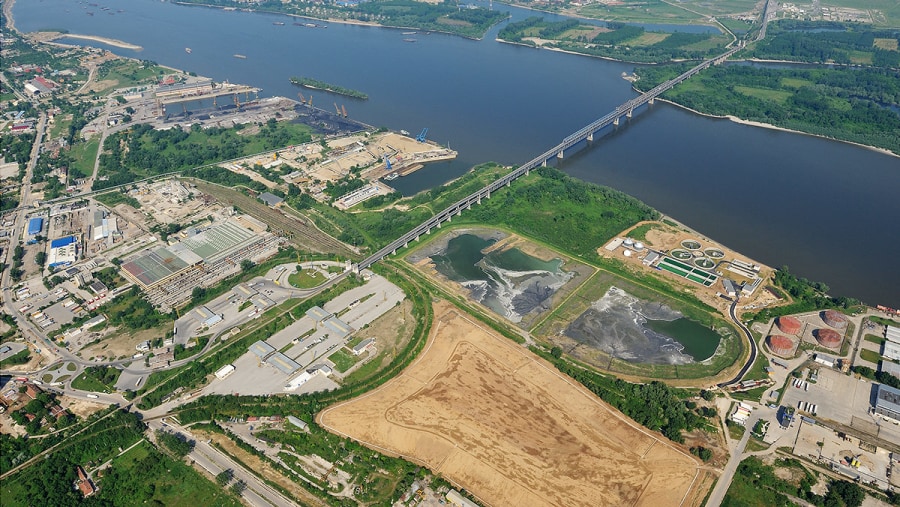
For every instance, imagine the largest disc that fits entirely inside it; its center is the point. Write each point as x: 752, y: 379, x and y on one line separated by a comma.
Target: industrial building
x: 271, y: 200
x: 891, y: 351
x: 741, y: 413
x: 825, y: 359
x: 887, y: 402
x: 262, y: 349
x: 298, y: 423
x: 317, y: 314
x: 457, y: 500
x: 283, y: 363
x: 338, y: 327
x: 363, y: 346
x: 225, y: 371
x: 892, y: 334
x: 891, y: 368
x: 35, y: 226
x: 153, y: 268
x: 63, y: 251
x: 102, y: 226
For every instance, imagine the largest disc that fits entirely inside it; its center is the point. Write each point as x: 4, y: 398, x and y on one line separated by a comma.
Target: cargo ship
x: 187, y: 50
x: 242, y: 57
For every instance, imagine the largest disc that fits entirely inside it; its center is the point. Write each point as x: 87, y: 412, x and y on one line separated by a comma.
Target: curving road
x: 754, y: 350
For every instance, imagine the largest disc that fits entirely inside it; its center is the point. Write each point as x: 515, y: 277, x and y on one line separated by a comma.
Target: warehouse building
x: 892, y: 334
x: 338, y: 327
x: 891, y: 351
x: 262, y: 349
x: 317, y: 314
x: 283, y: 363
x: 63, y: 251
x: 887, y: 402
x: 35, y: 226
x: 363, y: 346
x: 891, y: 368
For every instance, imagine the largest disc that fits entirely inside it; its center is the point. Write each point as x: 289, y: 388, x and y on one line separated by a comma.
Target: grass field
x: 306, y: 279
x: 875, y: 339
x: 343, y: 360
x: 87, y: 382
x: 83, y: 156
x: 641, y: 12
x: 870, y: 355
x: 778, y: 96
x: 175, y: 484
x: 888, y: 10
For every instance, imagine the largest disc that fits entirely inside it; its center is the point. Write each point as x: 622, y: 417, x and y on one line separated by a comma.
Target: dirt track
x: 491, y: 417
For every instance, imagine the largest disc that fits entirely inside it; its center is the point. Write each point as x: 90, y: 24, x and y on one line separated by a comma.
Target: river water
x: 828, y: 210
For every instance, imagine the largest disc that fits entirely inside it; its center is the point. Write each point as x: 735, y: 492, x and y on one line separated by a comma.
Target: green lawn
x: 162, y: 481
x: 778, y: 96
x: 112, y: 198
x: 83, y: 157
x: 85, y: 382
x: 306, y: 279
x: 792, y: 82
x: 870, y: 355
x: 875, y: 339
x: 343, y: 360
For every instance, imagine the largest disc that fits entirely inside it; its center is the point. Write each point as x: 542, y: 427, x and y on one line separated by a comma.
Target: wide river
x: 829, y: 210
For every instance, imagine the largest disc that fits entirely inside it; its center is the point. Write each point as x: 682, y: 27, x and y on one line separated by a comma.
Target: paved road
x: 753, y: 348
x: 718, y: 493
x: 214, y: 461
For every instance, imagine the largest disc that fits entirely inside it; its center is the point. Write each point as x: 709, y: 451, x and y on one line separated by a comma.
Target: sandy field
x: 498, y: 421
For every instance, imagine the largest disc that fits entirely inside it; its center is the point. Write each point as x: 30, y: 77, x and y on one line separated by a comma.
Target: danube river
x: 828, y: 210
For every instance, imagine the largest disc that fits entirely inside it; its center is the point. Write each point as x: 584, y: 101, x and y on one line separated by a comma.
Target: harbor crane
x: 387, y: 163
x: 422, y: 134
x: 302, y: 98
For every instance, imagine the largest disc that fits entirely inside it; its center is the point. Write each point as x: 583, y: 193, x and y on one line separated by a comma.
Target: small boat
x: 242, y: 57
x: 187, y: 50
x: 409, y: 33
x: 391, y: 177
x: 278, y: 23
x: 409, y: 40
x: 404, y: 132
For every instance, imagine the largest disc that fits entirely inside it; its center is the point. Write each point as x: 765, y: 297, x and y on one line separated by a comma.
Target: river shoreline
x: 769, y: 126
x: 53, y: 36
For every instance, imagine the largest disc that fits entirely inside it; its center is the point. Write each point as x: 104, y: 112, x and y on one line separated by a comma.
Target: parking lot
x: 838, y: 397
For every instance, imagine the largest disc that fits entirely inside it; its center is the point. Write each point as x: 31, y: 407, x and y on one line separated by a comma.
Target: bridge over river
x: 585, y: 134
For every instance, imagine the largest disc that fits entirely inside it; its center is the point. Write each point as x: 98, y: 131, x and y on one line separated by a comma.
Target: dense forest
x: 850, y: 104
x: 829, y: 42
x: 141, y: 152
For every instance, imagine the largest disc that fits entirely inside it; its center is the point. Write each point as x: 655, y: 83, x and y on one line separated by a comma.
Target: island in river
x: 315, y: 84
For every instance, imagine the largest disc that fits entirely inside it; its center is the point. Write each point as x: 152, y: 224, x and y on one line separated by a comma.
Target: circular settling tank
x: 789, y: 325
x: 715, y: 253
x: 828, y: 338
x: 780, y: 345
x: 704, y: 263
x: 690, y: 244
x: 681, y: 254
x: 834, y: 319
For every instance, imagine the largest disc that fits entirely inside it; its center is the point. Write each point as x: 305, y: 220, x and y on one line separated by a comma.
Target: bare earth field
x: 495, y: 419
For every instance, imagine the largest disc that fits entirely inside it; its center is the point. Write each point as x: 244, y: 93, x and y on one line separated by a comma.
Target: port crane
x: 302, y: 98
x: 387, y: 163
x: 422, y: 134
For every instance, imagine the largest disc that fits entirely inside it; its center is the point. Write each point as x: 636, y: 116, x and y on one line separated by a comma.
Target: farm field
x: 510, y: 429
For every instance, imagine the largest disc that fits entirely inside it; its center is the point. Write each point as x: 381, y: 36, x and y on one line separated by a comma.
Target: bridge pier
x: 527, y: 171
x: 438, y: 225
x: 469, y: 205
x: 394, y: 252
x: 405, y: 244
x: 478, y: 201
x: 616, y: 121
x: 458, y: 211
x: 507, y: 184
x: 428, y: 231
x: 560, y: 154
x: 417, y: 239
x: 449, y: 218
x: 488, y: 196
x: 651, y: 101
x: 629, y: 113
x: 544, y: 163
x: 590, y: 137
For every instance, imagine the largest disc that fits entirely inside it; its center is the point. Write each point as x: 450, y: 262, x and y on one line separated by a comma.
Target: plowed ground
x: 496, y: 420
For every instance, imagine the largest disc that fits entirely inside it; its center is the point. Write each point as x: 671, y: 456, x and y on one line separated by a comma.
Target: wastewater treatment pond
x: 637, y: 331
x: 516, y: 279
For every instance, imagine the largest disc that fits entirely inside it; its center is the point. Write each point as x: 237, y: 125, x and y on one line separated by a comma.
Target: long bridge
x: 558, y: 151
x: 585, y: 134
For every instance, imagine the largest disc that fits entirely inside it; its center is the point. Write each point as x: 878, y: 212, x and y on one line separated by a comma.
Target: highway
x: 718, y: 493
